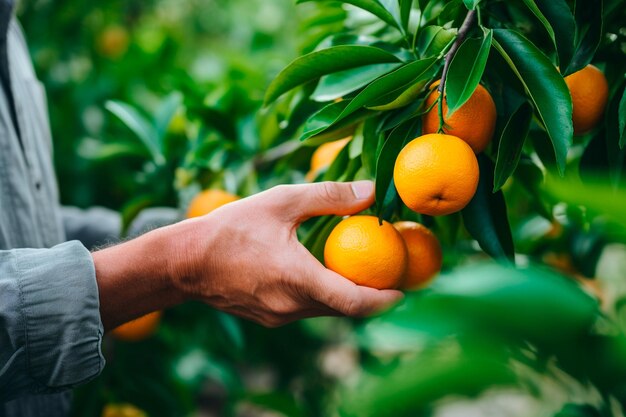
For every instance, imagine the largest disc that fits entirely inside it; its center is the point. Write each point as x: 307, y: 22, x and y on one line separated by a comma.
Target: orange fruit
x: 113, y: 42
x: 474, y: 121
x: 436, y: 174
x: 324, y: 156
x: 590, y: 93
x: 207, y: 201
x: 122, y: 410
x: 366, y: 253
x: 138, y: 329
x: 425, y: 257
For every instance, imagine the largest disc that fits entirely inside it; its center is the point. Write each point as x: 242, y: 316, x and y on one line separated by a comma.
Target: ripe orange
x: 207, y: 201
x: 122, y: 410
x: 436, y: 174
x: 138, y: 329
x: 474, y: 121
x: 425, y: 256
x: 590, y: 93
x: 324, y: 156
x: 113, y: 42
x: 366, y: 253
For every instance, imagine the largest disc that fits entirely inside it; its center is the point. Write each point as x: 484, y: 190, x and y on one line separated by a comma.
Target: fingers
x: 323, y: 198
x: 345, y: 297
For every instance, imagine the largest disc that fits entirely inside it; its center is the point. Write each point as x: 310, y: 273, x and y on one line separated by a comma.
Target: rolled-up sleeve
x: 50, y: 327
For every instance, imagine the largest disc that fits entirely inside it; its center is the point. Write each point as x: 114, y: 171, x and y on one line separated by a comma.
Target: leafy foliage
x: 195, y: 98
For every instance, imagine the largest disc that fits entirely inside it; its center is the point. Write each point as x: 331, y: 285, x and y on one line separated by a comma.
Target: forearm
x: 137, y: 277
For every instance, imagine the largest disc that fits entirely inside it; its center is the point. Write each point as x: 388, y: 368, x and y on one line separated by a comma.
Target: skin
x: 243, y: 258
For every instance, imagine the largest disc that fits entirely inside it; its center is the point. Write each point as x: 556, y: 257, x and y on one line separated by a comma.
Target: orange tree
x: 536, y: 89
x: 494, y: 91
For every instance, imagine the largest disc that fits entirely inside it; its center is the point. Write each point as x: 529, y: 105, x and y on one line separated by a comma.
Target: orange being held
x: 474, y: 121
x: 324, y: 156
x: 138, y: 329
x: 207, y: 201
x: 366, y: 252
x: 436, y: 174
x: 590, y: 92
x: 424, y: 255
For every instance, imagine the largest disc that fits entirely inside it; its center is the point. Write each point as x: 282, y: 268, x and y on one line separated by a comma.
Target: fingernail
x: 362, y: 189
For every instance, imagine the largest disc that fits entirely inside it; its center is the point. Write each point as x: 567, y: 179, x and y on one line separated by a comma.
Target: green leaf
x: 319, y: 234
x: 598, y: 196
x: 389, y: 204
x: 101, y: 151
x: 232, y: 329
x: 312, y: 66
x: 166, y: 110
x: 450, y: 12
x: 497, y: 300
x: 532, y: 6
x: 421, y: 380
x: 432, y: 40
x: 485, y: 216
x: 471, y: 4
x: 337, y: 85
x: 405, y: 13
x: 395, y: 82
x: 393, y: 7
x: 564, y: 26
x: 544, y: 86
x: 531, y: 177
x: 466, y: 70
x: 511, y: 143
x: 338, y: 166
x: 392, y: 84
x: 372, y: 143
x: 386, y: 161
x: 397, y: 88
x: 332, y: 116
x: 407, y: 93
x: 140, y: 126
x: 589, y: 22
x: 372, y: 6
x: 622, y: 121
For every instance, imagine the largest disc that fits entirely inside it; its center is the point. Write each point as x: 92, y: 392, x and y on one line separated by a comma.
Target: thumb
x: 303, y: 201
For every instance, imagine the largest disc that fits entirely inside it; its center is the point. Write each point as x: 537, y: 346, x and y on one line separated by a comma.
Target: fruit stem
x: 469, y: 21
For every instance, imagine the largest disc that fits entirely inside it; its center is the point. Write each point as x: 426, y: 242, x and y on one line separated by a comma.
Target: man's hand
x: 243, y: 258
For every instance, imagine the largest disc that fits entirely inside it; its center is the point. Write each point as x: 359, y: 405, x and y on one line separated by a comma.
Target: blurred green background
x: 151, y: 100
x: 139, y: 52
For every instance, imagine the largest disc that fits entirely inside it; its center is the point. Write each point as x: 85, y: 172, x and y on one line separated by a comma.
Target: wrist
x: 134, y: 278
x: 182, y: 252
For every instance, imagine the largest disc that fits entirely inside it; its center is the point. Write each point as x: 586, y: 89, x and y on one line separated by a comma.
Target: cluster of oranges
x: 437, y: 174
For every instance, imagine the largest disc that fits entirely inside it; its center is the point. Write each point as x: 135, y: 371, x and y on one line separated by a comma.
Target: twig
x: 469, y: 21
x: 276, y: 153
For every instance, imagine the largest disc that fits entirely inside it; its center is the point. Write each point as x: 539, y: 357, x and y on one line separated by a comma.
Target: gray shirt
x: 50, y: 327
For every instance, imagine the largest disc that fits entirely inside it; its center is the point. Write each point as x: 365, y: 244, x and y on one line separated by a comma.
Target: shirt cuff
x: 61, y: 312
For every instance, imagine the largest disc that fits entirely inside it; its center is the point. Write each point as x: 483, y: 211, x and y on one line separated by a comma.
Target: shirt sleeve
x: 50, y: 326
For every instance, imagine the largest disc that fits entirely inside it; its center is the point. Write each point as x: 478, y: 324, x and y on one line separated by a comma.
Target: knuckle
x: 272, y: 322
x: 282, y: 309
x: 330, y: 192
x: 280, y: 189
x: 352, y: 306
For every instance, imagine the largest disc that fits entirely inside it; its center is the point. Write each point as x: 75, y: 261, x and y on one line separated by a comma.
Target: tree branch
x: 469, y: 21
